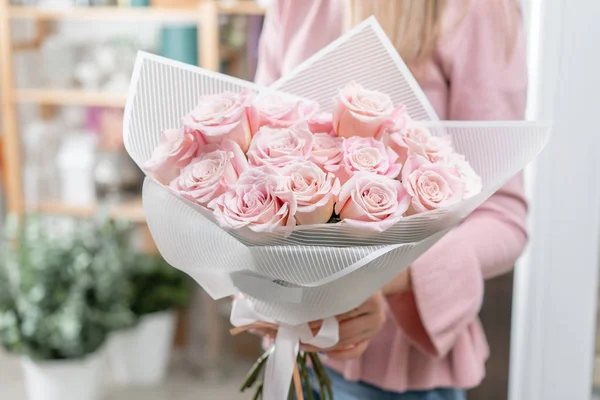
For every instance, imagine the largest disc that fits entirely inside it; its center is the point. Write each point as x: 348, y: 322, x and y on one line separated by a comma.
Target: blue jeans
x: 346, y: 390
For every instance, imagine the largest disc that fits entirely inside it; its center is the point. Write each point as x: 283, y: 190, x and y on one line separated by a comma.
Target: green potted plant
x: 61, y: 294
x: 141, y: 355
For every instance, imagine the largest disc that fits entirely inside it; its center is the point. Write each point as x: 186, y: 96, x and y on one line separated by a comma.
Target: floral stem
x: 322, y: 384
x: 305, y: 376
x: 291, y: 392
x: 259, y: 391
x: 322, y: 377
x: 255, y: 370
x: 320, y: 373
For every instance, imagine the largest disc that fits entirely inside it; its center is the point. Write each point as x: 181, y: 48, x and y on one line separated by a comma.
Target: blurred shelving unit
x: 130, y: 210
x: 102, y: 13
x: 242, y: 7
x: 69, y: 97
x: 205, y: 15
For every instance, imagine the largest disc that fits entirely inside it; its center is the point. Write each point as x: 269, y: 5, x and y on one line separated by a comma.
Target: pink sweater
x: 433, y: 337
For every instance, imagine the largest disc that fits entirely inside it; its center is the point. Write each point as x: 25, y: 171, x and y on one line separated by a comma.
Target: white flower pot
x: 141, y: 355
x: 63, y: 380
x: 75, y: 161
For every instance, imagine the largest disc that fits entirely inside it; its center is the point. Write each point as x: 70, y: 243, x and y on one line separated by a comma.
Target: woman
x: 420, y: 337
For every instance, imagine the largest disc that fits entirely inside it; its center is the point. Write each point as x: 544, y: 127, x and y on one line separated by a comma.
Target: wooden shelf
x: 133, y: 14
x: 205, y: 15
x: 86, y: 98
x: 131, y: 210
x: 70, y: 97
x: 242, y: 7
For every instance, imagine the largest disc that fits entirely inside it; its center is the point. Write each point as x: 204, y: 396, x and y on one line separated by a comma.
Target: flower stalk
x: 322, y: 379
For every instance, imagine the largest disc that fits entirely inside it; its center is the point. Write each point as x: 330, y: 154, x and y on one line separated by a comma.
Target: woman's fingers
x: 370, y: 305
x: 310, y: 349
x: 348, y: 337
x: 357, y: 312
x: 315, y: 326
x: 400, y: 284
x: 356, y: 326
x: 360, y: 337
x: 347, y: 330
x: 263, y: 332
x: 349, y: 353
x: 352, y: 332
x: 372, y: 321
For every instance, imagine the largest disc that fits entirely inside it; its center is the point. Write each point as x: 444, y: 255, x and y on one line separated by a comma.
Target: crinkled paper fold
x: 311, y: 272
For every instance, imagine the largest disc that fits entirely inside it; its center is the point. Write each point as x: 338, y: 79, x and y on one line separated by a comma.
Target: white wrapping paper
x: 287, y: 343
x: 310, y: 272
x: 319, y: 271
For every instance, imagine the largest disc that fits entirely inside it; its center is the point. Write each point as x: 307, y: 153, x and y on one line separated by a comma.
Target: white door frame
x: 556, y: 282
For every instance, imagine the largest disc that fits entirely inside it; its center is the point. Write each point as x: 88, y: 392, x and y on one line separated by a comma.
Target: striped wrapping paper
x: 310, y: 272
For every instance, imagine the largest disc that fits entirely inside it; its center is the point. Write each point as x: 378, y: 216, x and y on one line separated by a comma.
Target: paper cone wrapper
x: 310, y: 272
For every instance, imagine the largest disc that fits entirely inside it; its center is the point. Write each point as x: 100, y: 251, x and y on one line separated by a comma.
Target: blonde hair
x: 414, y: 26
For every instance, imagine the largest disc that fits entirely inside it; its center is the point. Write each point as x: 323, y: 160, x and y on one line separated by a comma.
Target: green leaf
x: 63, y: 287
x: 155, y: 285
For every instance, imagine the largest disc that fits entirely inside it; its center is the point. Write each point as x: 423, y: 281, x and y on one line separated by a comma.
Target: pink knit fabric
x: 433, y: 337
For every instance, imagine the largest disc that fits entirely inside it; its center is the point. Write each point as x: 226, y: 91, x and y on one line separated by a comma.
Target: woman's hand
x: 357, y: 328
x: 400, y: 284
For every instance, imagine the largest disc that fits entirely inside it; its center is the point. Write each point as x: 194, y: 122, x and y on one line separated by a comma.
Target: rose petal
x: 360, y: 112
x: 432, y: 185
x: 221, y: 117
x: 372, y: 202
x: 275, y: 111
x: 280, y: 147
x: 175, y: 150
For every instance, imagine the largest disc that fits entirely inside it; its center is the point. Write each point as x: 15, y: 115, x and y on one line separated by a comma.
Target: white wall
x: 556, y: 283
x: 521, y: 367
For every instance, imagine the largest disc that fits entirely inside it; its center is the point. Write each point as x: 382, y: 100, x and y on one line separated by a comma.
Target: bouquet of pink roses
x: 271, y: 163
x: 309, y: 196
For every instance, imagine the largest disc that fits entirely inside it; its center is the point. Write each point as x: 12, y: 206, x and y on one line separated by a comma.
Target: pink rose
x: 326, y: 151
x: 259, y: 201
x: 431, y: 185
x: 279, y: 112
x: 280, y: 147
x: 360, y: 112
x: 417, y: 140
x: 315, y: 192
x: 212, y: 173
x: 175, y: 150
x: 468, y: 175
x: 398, y: 122
x: 220, y: 117
x: 370, y: 155
x: 321, y: 123
x: 253, y: 173
x: 395, y: 140
x: 372, y: 202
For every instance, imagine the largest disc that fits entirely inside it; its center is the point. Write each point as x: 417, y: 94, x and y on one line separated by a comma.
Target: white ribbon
x: 280, y: 365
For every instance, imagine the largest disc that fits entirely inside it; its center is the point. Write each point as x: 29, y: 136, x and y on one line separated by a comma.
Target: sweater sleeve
x: 293, y: 31
x: 486, y: 83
